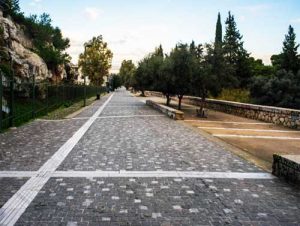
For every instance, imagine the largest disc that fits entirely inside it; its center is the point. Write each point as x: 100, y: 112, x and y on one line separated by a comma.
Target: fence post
x: 11, y: 102
x: 33, y: 96
x: 47, y: 98
x: 84, y: 101
x: 1, y: 92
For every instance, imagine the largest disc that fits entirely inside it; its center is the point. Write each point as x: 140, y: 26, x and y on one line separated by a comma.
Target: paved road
x: 121, y: 163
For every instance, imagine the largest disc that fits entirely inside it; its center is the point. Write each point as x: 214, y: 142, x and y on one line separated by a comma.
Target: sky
x: 133, y: 28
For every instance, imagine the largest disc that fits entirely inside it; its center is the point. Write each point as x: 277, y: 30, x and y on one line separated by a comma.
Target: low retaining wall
x: 287, y: 167
x: 170, y: 112
x: 280, y: 116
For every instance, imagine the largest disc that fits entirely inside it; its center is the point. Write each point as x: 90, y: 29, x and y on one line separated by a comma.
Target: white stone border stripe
x: 237, y: 123
x: 250, y: 130
x: 120, y: 116
x: 162, y: 174
x: 256, y: 137
x: 17, y: 173
x: 129, y: 116
x: 17, y: 204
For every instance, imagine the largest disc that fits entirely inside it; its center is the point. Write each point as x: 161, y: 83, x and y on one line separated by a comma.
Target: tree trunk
x: 143, y: 93
x: 168, y: 99
x: 179, y: 101
x: 202, y: 104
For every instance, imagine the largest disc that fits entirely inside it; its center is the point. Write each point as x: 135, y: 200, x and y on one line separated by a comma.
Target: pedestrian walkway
x: 120, y: 162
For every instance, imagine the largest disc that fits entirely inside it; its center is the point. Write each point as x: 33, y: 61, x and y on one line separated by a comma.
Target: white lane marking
x: 129, y: 116
x: 51, y: 120
x: 163, y: 174
x: 254, y: 130
x: 256, y: 137
x: 121, y: 116
x: 17, y: 204
x: 17, y: 173
x: 237, y: 123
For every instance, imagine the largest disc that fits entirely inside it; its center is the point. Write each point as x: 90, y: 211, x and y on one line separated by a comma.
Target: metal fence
x: 23, y: 101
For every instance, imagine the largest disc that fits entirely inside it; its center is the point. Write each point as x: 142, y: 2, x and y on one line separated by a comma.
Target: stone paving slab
x: 9, y: 186
x: 163, y: 201
x: 31, y: 145
x: 142, y: 144
x: 154, y: 143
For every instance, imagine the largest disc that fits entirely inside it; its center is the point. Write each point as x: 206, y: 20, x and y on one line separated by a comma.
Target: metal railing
x: 23, y: 101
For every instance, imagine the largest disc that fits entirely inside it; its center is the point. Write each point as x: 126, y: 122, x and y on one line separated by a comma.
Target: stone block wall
x: 287, y: 167
x: 280, y: 116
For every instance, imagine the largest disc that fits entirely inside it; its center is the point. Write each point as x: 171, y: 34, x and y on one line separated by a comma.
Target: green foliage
x: 126, y: 72
x: 47, y: 40
x: 236, y: 57
x: 182, y: 62
x: 290, y: 58
x: 143, y: 78
x: 10, y: 7
x: 237, y: 95
x: 259, y: 69
x: 95, y: 62
x: 282, y: 90
x: 218, y: 38
x: 283, y: 87
x: 115, y: 81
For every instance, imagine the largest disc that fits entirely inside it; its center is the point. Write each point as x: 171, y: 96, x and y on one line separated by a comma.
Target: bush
x: 237, y: 95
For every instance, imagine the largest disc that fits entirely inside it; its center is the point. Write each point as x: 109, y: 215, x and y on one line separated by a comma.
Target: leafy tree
x: 236, y: 57
x: 10, y: 7
x: 282, y: 90
x: 164, y: 82
x: 204, y: 80
x: 95, y: 62
x: 115, y: 81
x: 126, y: 72
x: 182, y: 69
x: 143, y: 78
x: 259, y: 69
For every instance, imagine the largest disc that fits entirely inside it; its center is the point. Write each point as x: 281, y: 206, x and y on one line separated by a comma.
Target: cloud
x: 35, y: 2
x: 92, y: 13
x: 296, y: 21
x: 256, y: 8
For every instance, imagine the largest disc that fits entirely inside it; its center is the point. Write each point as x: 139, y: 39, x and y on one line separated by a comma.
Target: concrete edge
x: 170, y: 112
x: 286, y: 168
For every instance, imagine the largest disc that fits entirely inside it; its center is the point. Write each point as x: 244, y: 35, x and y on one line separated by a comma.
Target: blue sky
x: 133, y: 28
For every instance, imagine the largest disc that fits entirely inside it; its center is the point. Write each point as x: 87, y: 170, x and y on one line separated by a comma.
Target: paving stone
x: 9, y: 186
x: 201, y: 208
x: 142, y: 144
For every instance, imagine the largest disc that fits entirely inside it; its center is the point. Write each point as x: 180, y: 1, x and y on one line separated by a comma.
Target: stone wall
x: 280, y: 116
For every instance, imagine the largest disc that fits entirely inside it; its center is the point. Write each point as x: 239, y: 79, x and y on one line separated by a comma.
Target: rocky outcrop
x: 18, y: 48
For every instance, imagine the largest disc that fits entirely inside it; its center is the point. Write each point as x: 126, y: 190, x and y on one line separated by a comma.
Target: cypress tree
x: 218, y: 38
x: 290, y: 57
x: 235, y: 55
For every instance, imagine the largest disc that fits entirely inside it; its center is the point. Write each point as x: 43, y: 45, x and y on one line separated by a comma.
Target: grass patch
x: 67, y: 109
x: 237, y: 95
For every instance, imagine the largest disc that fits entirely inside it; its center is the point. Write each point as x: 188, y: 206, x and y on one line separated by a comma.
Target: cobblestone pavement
x: 128, y: 136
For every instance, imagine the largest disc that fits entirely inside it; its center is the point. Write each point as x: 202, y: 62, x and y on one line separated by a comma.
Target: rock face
x: 18, y: 47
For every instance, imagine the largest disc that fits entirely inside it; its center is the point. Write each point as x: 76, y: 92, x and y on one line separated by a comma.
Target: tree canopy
x: 95, y: 62
x: 126, y: 72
